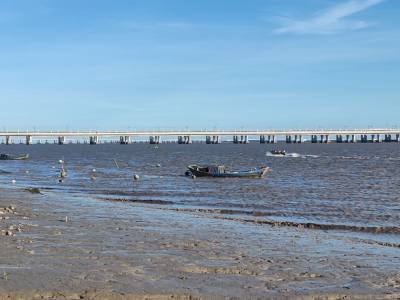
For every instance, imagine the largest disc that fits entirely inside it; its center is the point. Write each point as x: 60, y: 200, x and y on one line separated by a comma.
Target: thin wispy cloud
x: 332, y: 20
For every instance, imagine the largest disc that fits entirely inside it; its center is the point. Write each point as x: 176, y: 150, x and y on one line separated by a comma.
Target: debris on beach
x: 8, y: 209
x: 9, y: 229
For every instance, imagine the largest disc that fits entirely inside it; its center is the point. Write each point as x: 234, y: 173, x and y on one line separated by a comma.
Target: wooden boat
x: 221, y: 171
x: 4, y: 156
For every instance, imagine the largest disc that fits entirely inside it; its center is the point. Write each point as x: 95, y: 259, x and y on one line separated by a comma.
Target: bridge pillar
x: 398, y: 137
x: 353, y: 138
x: 347, y: 138
x: 321, y: 138
x: 372, y: 138
x: 186, y: 139
x: 378, y: 138
x: 262, y: 139
x: 244, y: 139
x: 124, y: 140
x: 339, y: 138
x: 61, y: 140
x: 288, y: 139
x: 93, y: 140
x: 28, y: 140
x: 388, y: 138
x: 8, y: 140
x: 314, y: 139
x: 155, y: 139
x: 298, y: 139
x: 212, y: 139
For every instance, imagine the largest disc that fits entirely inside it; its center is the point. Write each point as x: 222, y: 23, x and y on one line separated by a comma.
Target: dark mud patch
x: 33, y: 190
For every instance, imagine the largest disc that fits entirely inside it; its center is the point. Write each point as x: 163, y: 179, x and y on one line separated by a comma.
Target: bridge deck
x: 199, y: 133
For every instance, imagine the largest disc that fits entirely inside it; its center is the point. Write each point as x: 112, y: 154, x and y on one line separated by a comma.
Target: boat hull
x: 258, y: 173
x: 10, y: 157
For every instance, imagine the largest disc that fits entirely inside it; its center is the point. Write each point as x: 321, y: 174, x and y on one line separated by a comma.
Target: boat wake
x: 360, y: 157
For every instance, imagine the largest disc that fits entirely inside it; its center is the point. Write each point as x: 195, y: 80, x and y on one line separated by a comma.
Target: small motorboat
x: 4, y: 156
x: 221, y: 171
x: 278, y: 152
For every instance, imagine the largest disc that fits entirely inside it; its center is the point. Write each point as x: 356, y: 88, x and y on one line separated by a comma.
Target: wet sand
x: 58, y: 246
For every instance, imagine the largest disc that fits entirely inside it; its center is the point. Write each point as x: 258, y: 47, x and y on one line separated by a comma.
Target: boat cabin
x: 216, y: 169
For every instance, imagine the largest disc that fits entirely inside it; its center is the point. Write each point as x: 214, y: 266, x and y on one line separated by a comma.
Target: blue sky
x: 229, y: 64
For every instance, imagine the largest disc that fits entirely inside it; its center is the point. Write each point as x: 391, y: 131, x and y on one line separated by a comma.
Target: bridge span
x: 375, y: 135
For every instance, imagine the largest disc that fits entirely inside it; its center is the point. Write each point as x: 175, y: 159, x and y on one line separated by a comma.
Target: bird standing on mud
x: 63, y: 172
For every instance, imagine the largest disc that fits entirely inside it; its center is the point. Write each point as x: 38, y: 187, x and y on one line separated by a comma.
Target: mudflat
x: 65, y: 246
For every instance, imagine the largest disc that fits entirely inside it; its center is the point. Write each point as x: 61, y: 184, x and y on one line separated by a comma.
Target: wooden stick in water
x: 115, y: 161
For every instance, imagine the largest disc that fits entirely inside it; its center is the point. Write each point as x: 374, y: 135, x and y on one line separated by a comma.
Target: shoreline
x: 72, y: 247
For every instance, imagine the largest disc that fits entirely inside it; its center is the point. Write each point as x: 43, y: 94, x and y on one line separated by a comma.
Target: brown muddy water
x: 351, y: 188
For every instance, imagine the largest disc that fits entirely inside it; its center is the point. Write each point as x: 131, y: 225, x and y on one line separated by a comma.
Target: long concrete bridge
x: 211, y: 136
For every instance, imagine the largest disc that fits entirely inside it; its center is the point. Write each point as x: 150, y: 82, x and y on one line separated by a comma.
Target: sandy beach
x: 57, y: 246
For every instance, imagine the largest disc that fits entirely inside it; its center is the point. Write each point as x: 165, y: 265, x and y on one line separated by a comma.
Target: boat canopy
x: 216, y: 169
